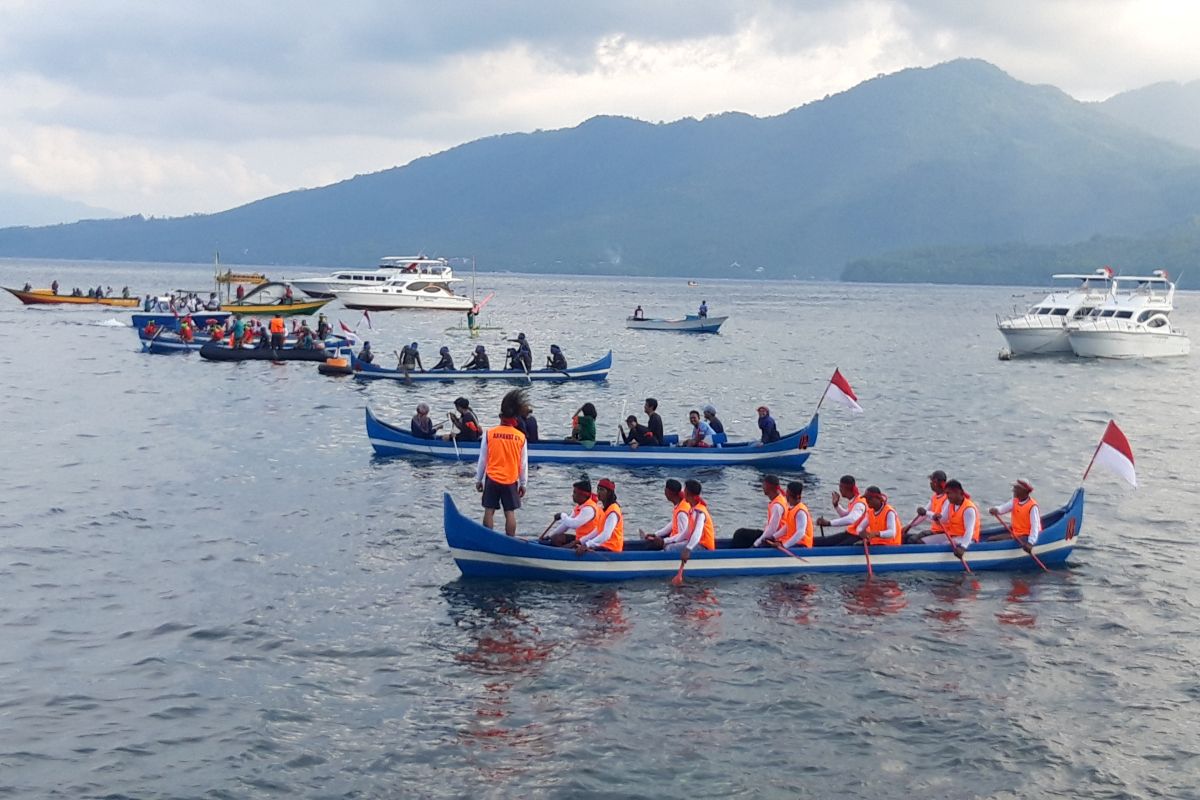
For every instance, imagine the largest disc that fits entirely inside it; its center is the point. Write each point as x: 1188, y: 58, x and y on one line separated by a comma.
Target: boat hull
x: 483, y: 553
x: 45, y: 297
x: 168, y: 343
x: 371, y: 301
x: 1036, y: 341
x: 299, y: 307
x: 1128, y: 344
x: 214, y: 351
x: 170, y: 322
x: 790, y: 452
x: 689, y: 324
x: 596, y: 371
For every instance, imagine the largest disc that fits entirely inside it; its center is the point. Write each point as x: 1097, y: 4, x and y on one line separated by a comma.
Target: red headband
x: 605, y: 483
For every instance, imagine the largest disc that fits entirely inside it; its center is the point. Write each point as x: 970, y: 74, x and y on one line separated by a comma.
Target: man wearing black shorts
x: 503, y: 464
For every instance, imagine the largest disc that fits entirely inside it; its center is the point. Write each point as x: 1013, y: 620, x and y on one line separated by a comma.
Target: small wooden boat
x: 595, y: 371
x: 483, y: 553
x: 170, y: 322
x: 218, y: 351
x: 45, y: 297
x: 790, y: 452
x: 269, y: 299
x: 689, y: 324
x: 249, y: 278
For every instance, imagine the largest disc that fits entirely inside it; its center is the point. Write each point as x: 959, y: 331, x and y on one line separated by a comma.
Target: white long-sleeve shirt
x: 858, y: 507
x: 969, y: 516
x: 697, y: 526
x: 599, y: 537
x: 481, y: 466
x: 774, y: 523
x: 571, y: 520
x: 681, y: 522
x: 801, y: 527
x: 1035, y: 520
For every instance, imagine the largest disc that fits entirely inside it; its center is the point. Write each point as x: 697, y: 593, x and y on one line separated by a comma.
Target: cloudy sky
x: 177, y: 107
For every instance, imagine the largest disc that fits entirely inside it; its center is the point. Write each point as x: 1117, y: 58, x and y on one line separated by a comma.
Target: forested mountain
x: 1169, y: 110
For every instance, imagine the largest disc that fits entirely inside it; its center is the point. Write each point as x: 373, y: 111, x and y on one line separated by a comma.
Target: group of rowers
x: 96, y: 293
x: 519, y: 358
x: 239, y: 332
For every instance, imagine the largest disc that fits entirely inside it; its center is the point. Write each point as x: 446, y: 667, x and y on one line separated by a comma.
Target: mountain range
x: 958, y: 156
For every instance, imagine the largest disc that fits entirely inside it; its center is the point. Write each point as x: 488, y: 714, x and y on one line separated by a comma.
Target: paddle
x: 548, y: 527
x: 453, y: 437
x: 678, y: 579
x: 786, y: 551
x: 962, y: 558
x: 1016, y: 538
x: 867, y: 556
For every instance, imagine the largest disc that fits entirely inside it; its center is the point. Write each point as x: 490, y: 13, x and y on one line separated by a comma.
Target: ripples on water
x: 212, y: 589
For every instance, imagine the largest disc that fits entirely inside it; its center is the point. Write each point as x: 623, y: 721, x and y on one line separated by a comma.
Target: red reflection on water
x: 1017, y: 614
x: 876, y: 597
x: 606, y: 613
x: 789, y: 599
x: 950, y: 594
x: 696, y: 604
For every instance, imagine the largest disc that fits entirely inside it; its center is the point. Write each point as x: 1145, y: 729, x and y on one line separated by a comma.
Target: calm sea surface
x: 212, y: 588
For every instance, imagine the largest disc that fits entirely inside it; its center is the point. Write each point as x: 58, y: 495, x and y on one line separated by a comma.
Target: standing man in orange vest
x: 1026, y: 516
x: 610, y: 533
x: 584, y: 519
x: 503, y: 464
x: 937, y: 500
x: 278, y: 331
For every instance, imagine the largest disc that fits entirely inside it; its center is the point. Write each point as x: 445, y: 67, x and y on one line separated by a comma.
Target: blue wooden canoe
x: 790, y: 452
x: 165, y: 342
x: 170, y: 322
x: 595, y: 371
x: 482, y: 553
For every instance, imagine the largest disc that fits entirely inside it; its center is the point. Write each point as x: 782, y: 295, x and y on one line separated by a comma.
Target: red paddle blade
x: 678, y: 579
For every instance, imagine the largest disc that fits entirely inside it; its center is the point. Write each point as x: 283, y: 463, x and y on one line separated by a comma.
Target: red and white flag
x: 345, y: 327
x: 1115, y: 453
x: 367, y: 317
x: 839, y: 390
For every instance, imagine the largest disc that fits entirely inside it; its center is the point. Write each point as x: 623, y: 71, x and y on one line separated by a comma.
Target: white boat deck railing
x: 1033, y: 321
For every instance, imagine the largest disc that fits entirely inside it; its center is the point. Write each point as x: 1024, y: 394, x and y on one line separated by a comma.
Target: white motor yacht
x: 389, y: 267
x: 1133, y: 323
x: 1043, y: 328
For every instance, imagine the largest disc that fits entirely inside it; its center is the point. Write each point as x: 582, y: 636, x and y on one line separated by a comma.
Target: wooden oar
x: 1017, y: 539
x: 867, y: 556
x: 453, y: 437
x: 786, y: 551
x: 962, y: 558
x: 678, y: 579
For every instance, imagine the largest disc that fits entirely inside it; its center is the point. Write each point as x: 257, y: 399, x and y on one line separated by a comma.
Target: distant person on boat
x: 54, y: 287
x: 147, y: 304
x: 653, y: 421
x: 637, y: 435
x: 237, y: 332
x: 678, y: 527
x: 638, y: 313
x: 580, y: 521
x: 937, y: 501
x: 323, y: 327
x: 28, y: 287
x: 410, y: 359
x: 446, y: 364
x: 422, y: 425
x: 703, y: 312
x: 288, y: 297
x: 766, y: 424
x: 710, y: 416
x: 466, y: 424
x: 304, y: 337
x: 479, y: 360
x: 528, y: 423
x: 241, y: 292
x: 213, y: 303
x: 856, y: 508
x: 365, y: 355
x: 524, y: 353
x: 556, y: 359
x: 512, y: 362
x: 264, y: 338
x: 776, y: 511
x: 702, y: 433
x: 125, y: 292
x: 503, y: 464
x: 472, y: 313
x: 583, y: 428
x: 278, y: 332
x: 960, y: 517
x: 151, y: 329
x: 610, y: 532
x: 1026, y: 516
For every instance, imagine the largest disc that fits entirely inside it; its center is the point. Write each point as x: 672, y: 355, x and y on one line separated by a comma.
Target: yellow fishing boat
x: 272, y: 298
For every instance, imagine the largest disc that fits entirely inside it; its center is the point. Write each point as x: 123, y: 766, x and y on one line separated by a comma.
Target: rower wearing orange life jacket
x: 960, y: 516
x: 1026, y: 516
x: 610, y: 532
x: 703, y: 529
x: 503, y: 464
x: 679, y: 526
x: 797, y: 522
x: 880, y: 525
x: 857, y: 506
x: 777, y: 507
x: 584, y: 519
x: 937, y: 500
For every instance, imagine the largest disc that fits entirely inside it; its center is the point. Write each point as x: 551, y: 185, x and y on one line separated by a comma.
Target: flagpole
x: 1096, y: 452
x: 822, y: 400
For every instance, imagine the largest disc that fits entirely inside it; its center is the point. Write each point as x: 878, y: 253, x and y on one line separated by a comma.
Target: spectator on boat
x: 678, y: 528
x: 147, y: 304
x: 937, y: 501
x: 151, y: 329
x: 528, y: 424
x: 638, y: 434
x: 91, y: 293
x: 466, y: 424
x: 610, y: 531
x: 1026, y: 516
x: 323, y: 327
x: 960, y: 517
x: 766, y: 424
x: 241, y: 293
x: 472, y: 313
x: 479, y: 360
x: 703, y: 312
x: 186, y: 330
x: 278, y: 331
x: 365, y: 355
x: 446, y: 364
x: 99, y: 291
x: 213, y: 303
x: 237, y: 332
x: 777, y: 509
x: 503, y: 464
x: 710, y: 416
x: 701, y: 432
x: 583, y: 426
x: 410, y: 359
x: 638, y: 313
x: 421, y: 425
x: 304, y: 337
x: 556, y: 359
x: 653, y: 421
x: 288, y: 297
x: 125, y: 292
x: 27, y: 287
x: 54, y: 287
x: 856, y: 508
x: 582, y: 520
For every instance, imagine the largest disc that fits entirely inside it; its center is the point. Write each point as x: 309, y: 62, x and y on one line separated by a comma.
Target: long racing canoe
x: 45, y: 297
x: 790, y: 452
x: 483, y: 553
x: 595, y: 371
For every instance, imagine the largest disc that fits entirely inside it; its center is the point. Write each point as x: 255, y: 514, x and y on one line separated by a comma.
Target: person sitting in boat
x: 960, y: 517
x: 766, y: 424
x: 323, y: 327
x: 479, y: 360
x: 28, y: 287
x: 777, y: 509
x: 213, y: 303
x: 151, y: 329
x: 249, y: 332
x: 365, y: 355
x: 856, y: 508
x: 422, y: 425
x: 54, y: 287
x: 583, y: 426
x: 701, y: 435
x: 702, y: 313
x: 710, y: 416
x: 410, y: 359
x: 581, y: 521
x: 678, y: 528
x: 304, y: 337
x: 653, y: 421
x: 215, y: 332
x: 937, y: 500
x: 638, y: 313
x: 446, y: 364
x: 186, y: 330
x: 610, y: 532
x: 797, y: 522
x: 637, y: 435
x: 466, y: 424
x: 91, y: 293
x: 1026, y: 516
x: 527, y: 423
x: 701, y: 529
x: 288, y: 297
x: 512, y: 361
x: 556, y: 359
x: 524, y: 353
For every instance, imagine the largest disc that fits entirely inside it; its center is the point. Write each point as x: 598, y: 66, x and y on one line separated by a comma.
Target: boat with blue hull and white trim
x: 596, y: 371
x: 483, y: 553
x: 692, y: 323
x: 790, y: 452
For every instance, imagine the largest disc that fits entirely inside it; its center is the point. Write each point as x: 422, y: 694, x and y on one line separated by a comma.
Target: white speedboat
x: 1043, y: 328
x: 389, y: 267
x: 1133, y: 323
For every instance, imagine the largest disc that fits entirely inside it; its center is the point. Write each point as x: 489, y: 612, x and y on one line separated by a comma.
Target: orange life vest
x: 504, y: 447
x: 936, y: 503
x: 781, y: 501
x: 955, y: 527
x: 277, y: 325
x: 875, y: 522
x: 686, y: 508
x: 708, y: 537
x: 1022, y: 512
x: 616, y: 542
x: 790, y: 525
x: 587, y: 527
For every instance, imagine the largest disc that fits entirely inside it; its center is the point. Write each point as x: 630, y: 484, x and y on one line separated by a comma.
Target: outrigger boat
x: 46, y: 297
x: 483, y: 553
x: 790, y: 452
x: 595, y: 371
x: 270, y: 298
